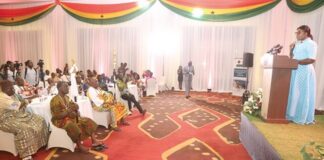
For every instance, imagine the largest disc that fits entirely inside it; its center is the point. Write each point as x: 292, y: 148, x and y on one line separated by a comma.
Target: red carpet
x: 204, y: 127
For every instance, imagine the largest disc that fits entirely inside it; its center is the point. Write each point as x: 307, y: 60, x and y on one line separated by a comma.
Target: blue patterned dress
x: 301, y: 101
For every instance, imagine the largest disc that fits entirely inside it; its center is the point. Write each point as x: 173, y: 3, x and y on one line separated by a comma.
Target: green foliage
x: 253, y: 105
x: 313, y: 151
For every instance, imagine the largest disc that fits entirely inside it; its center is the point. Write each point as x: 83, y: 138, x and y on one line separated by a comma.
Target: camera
x: 40, y: 63
x: 17, y: 65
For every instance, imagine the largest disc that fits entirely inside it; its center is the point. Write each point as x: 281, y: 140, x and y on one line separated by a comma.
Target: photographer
x: 40, y: 65
x: 18, y: 66
x: 13, y: 69
x: 31, y: 73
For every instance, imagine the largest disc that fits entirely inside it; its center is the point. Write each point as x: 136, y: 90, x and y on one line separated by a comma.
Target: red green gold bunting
x: 18, y: 16
x: 302, y: 6
x: 219, y: 10
x: 106, y: 13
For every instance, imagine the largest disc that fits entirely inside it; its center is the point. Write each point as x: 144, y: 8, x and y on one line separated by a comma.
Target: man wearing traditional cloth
x: 103, y: 101
x: 30, y: 130
x: 65, y: 115
x: 124, y: 93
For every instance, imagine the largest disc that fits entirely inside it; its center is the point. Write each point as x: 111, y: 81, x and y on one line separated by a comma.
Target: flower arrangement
x: 313, y: 151
x: 253, y: 104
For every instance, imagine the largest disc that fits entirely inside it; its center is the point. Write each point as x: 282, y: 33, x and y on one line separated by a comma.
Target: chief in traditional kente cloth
x: 103, y: 101
x: 65, y: 115
x: 30, y: 130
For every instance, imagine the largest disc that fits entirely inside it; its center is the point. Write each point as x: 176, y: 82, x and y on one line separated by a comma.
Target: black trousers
x: 130, y: 98
x: 180, y: 84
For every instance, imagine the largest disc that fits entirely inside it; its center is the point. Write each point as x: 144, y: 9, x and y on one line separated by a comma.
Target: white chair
x: 59, y: 138
x: 8, y: 142
x: 151, y: 87
x: 101, y: 118
x: 162, y: 86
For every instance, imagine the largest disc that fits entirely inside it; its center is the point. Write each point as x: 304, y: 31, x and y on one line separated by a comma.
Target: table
x: 132, y: 88
x: 41, y: 106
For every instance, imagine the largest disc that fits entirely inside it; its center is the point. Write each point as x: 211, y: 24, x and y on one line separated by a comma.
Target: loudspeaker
x: 248, y: 59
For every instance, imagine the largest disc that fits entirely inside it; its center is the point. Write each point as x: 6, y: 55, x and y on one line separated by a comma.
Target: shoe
x: 104, y: 146
x: 125, y: 123
x: 98, y: 147
x: 144, y: 112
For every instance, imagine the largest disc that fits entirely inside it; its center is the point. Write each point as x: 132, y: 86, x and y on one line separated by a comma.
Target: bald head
x: 62, y: 87
x: 7, y: 87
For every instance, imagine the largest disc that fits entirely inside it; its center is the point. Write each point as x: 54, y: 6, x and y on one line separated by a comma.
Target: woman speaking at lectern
x: 301, y: 101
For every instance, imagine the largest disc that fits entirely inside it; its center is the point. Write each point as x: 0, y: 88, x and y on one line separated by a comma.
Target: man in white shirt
x: 11, y: 72
x: 31, y: 75
x: 103, y: 101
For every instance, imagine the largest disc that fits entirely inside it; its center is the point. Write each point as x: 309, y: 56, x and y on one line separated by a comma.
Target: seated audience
x: 25, y: 90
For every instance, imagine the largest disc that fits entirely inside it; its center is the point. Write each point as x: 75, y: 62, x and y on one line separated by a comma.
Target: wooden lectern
x: 276, y: 84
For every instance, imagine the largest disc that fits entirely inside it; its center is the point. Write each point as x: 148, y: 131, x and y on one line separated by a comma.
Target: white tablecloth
x: 42, y: 108
x: 132, y: 88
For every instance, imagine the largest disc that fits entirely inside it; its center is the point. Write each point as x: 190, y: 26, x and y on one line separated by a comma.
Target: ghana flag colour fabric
x: 220, y: 10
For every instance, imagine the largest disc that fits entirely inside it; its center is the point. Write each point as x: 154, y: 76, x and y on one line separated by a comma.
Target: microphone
x: 274, y: 49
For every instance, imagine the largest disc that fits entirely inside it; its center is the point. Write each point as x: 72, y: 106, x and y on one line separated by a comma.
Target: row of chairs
x: 59, y: 138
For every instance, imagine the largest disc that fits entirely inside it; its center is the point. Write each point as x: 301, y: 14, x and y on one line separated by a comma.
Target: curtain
x: 161, y: 40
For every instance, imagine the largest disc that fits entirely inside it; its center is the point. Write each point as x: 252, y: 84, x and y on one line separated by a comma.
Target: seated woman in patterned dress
x: 30, y: 130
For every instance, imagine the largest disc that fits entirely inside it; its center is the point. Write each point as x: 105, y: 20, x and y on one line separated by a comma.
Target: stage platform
x: 266, y: 141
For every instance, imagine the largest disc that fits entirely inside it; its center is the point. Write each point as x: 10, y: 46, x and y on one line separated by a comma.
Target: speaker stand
x: 247, y: 78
